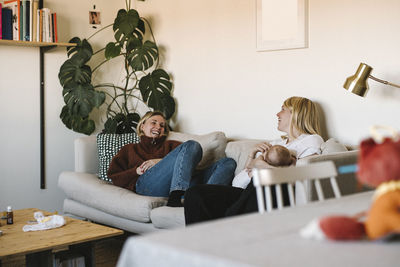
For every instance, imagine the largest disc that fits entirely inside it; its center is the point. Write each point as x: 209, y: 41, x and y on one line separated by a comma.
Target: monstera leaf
x: 132, y: 44
x: 82, y: 49
x: 128, y: 32
x: 72, y: 73
x: 77, y: 123
x: 112, y: 50
x: 155, y: 89
x: 125, y: 23
x: 81, y: 99
x: 74, y: 69
x: 144, y: 56
x: 122, y: 123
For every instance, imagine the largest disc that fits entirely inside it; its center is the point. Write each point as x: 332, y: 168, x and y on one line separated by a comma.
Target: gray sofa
x: 89, y: 197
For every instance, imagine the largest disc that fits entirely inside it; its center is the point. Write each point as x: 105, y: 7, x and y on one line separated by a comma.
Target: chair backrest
x: 313, y: 172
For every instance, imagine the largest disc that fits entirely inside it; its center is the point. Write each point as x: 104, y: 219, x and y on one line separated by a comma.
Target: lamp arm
x: 383, y: 81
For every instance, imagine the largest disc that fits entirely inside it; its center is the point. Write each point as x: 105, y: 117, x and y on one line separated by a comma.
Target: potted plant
x: 144, y: 80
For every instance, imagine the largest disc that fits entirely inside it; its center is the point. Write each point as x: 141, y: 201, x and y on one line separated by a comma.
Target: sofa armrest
x: 339, y: 158
x: 88, y: 189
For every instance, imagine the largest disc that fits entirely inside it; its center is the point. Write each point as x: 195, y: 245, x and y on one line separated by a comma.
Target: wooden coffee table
x: 76, y: 236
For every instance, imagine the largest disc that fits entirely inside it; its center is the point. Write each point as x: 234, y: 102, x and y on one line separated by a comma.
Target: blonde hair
x: 147, y: 116
x: 305, y: 117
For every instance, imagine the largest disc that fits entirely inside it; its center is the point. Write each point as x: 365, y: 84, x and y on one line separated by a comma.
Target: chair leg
x: 335, y: 187
x: 260, y: 200
x: 268, y: 198
x: 320, y: 193
x: 291, y: 194
x: 278, y: 190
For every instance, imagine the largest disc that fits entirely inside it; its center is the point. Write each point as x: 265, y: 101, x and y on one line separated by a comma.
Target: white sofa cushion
x: 240, y: 150
x: 332, y: 146
x: 213, y: 145
x: 167, y: 217
x: 86, y: 159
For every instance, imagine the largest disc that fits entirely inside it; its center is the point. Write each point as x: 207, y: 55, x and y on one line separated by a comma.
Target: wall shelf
x: 43, y: 47
x: 33, y: 44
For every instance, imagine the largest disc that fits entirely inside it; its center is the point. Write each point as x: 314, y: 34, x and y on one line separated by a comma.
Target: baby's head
x: 278, y: 155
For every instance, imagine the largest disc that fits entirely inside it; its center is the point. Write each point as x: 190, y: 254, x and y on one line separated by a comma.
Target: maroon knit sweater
x: 122, y: 169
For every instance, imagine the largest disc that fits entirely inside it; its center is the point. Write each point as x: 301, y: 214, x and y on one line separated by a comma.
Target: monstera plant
x: 143, y: 81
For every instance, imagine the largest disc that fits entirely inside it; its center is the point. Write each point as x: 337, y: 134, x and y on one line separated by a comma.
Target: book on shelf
x: 35, y: 7
x: 25, y: 20
x: 1, y: 21
x: 55, y: 34
x: 6, y: 21
x: 46, y: 25
x: 40, y: 25
x: 30, y: 19
x: 21, y: 22
x: 15, y: 6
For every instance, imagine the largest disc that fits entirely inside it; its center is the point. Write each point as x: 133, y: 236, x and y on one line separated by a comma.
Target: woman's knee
x: 228, y: 163
x: 193, y: 146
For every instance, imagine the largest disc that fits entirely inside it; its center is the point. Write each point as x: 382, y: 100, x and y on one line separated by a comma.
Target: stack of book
x: 22, y: 20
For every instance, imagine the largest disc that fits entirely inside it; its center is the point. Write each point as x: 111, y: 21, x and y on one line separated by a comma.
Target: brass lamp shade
x: 357, y: 83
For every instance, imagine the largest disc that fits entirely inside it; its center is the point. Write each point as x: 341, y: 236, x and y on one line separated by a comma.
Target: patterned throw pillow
x: 108, y: 146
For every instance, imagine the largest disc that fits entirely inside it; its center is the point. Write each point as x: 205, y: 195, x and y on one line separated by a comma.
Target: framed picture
x: 282, y: 24
x: 94, y: 17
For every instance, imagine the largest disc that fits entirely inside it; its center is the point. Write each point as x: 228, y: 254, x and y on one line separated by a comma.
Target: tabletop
x: 15, y: 241
x: 270, y: 239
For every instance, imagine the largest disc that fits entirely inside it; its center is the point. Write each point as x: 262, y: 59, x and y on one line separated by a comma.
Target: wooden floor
x: 106, y: 253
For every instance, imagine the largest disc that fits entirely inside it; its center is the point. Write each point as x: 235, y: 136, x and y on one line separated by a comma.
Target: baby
x: 276, y: 156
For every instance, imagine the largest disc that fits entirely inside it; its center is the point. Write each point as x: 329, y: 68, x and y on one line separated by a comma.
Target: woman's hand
x: 146, y: 165
x: 249, y: 172
x: 262, y: 147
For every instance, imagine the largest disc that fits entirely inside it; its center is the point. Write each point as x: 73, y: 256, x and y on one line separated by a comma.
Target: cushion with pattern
x: 108, y: 146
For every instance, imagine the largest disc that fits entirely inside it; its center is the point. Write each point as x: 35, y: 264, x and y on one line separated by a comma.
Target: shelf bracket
x: 44, y: 49
x: 42, y: 120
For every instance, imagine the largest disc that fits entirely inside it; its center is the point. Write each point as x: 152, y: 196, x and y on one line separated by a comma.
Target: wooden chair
x: 312, y: 172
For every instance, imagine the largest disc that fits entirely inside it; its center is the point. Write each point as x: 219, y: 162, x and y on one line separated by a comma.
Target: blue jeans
x: 220, y: 172
x: 175, y: 171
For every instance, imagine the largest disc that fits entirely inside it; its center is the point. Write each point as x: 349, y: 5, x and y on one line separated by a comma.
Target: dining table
x: 269, y: 239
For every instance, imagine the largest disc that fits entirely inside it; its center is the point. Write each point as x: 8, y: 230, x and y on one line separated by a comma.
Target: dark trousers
x: 209, y: 202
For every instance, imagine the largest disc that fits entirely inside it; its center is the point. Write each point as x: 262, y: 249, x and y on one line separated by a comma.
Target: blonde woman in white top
x: 300, y: 121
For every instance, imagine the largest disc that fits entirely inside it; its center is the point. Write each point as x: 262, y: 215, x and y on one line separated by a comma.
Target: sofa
x: 97, y: 200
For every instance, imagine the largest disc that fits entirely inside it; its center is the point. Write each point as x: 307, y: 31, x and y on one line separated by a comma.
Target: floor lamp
x: 357, y: 83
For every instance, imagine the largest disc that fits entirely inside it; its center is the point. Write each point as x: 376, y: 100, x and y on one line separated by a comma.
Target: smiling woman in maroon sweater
x: 159, y: 167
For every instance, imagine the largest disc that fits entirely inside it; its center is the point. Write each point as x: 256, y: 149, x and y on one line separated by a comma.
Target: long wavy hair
x: 305, y: 116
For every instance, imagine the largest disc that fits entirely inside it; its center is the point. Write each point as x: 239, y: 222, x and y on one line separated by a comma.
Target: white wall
x: 220, y: 81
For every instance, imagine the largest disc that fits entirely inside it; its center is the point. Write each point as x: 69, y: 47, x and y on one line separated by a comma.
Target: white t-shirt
x: 303, y: 146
